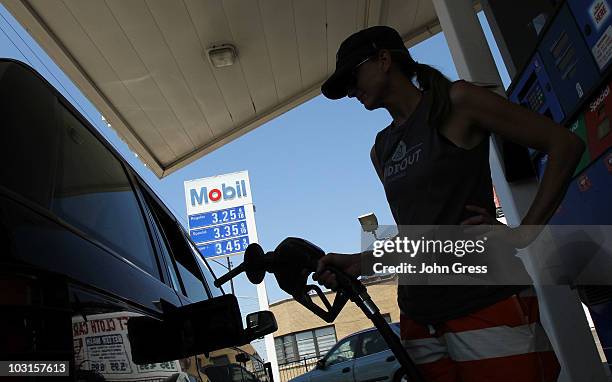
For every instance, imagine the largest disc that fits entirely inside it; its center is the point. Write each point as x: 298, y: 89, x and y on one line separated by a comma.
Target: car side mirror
x: 185, y: 331
x: 321, y: 364
x: 259, y: 324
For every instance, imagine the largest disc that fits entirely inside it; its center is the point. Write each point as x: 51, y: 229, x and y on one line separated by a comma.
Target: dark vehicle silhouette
x: 86, y: 247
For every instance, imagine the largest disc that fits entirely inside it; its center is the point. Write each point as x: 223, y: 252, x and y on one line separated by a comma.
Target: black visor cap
x: 354, y: 50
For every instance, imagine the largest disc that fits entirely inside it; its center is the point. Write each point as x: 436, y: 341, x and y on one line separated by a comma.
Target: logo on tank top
x: 400, y: 152
x: 402, y: 158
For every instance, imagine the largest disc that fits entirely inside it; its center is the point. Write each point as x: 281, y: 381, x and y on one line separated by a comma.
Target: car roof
x: 392, y: 324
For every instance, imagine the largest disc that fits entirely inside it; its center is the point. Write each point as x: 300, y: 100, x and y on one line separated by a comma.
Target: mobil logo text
x: 206, y: 195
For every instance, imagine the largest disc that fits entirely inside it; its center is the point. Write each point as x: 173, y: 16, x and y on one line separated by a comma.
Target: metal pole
x: 268, y: 367
x: 229, y: 268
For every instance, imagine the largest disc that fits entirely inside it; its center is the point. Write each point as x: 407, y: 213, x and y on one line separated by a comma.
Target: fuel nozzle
x: 255, y: 265
x: 292, y: 261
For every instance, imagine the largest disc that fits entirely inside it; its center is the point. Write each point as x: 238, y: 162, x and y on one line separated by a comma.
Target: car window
x: 188, y: 268
x: 168, y: 263
x: 28, y: 138
x: 102, y: 347
x: 206, y: 271
x: 102, y: 351
x: 93, y: 193
x: 157, y: 213
x: 182, y: 261
x: 372, y: 342
x: 344, y: 351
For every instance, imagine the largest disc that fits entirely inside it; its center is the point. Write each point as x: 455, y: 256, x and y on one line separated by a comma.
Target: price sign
x: 216, y: 217
x: 219, y: 232
x: 224, y: 247
x: 221, y: 214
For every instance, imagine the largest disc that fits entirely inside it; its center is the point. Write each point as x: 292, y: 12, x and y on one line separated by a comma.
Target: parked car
x: 362, y: 356
x: 94, y: 269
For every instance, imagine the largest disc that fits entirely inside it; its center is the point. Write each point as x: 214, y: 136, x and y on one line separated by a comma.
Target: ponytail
x: 428, y: 79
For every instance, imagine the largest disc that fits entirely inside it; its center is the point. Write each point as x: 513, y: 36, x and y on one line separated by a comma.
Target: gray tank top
x: 428, y: 180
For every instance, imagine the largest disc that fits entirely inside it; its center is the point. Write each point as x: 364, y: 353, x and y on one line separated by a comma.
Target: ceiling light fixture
x: 222, y: 55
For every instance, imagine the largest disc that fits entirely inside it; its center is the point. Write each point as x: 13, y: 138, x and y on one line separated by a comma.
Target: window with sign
x: 101, y: 347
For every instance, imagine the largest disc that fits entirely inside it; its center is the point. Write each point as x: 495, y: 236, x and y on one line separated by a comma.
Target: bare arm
x: 487, y: 111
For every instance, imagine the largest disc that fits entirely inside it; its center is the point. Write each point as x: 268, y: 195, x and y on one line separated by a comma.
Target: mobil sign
x: 218, y: 192
x: 220, y: 214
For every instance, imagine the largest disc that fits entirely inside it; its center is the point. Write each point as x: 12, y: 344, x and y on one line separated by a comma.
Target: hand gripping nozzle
x: 292, y: 261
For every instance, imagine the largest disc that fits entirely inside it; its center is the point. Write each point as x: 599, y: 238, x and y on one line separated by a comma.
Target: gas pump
x: 568, y: 79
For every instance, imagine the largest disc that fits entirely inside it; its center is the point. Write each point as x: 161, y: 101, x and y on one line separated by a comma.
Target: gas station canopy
x: 146, y: 66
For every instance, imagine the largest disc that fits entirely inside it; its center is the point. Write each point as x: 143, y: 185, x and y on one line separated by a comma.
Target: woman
x: 433, y: 161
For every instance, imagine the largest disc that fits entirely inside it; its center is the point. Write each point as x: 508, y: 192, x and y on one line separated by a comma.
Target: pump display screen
x: 560, y: 46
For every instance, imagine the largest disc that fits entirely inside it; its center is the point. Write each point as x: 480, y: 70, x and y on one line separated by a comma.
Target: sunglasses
x: 355, y: 72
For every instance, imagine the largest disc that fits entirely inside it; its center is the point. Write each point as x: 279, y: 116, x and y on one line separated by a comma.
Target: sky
x: 310, y: 168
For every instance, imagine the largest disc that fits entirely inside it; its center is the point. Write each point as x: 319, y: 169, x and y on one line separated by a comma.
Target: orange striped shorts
x: 502, y: 342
